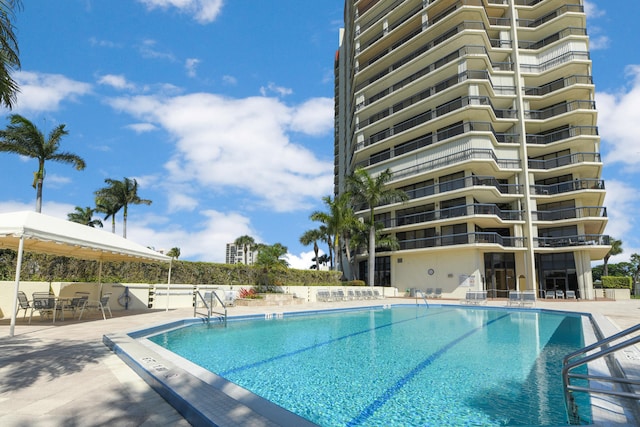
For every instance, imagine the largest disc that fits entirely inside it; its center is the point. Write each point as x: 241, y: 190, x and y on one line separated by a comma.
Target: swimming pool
x: 404, y: 365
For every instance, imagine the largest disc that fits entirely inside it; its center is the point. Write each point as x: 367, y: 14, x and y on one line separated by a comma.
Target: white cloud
x: 619, y: 123
x: 203, y: 11
x: 229, y: 80
x: 45, y: 92
x: 117, y: 81
x: 302, y: 261
x: 311, y: 117
x: 191, y: 64
x: 622, y: 201
x: 592, y: 10
x: 54, y: 209
x: 206, y: 243
x: 273, y: 88
x: 148, y: 50
x: 226, y: 144
x: 142, y: 127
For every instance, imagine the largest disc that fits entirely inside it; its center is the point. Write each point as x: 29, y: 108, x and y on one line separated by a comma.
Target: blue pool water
x: 408, y: 365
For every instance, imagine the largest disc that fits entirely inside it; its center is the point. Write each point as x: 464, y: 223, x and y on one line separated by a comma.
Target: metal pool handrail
x: 604, y: 350
x: 209, y: 305
x: 424, y: 298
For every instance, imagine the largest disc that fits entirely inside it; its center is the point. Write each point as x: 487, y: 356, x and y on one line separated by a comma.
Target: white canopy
x: 35, y: 232
x: 49, y: 235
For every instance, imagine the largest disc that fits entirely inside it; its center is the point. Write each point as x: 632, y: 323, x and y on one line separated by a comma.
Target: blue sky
x: 223, y: 112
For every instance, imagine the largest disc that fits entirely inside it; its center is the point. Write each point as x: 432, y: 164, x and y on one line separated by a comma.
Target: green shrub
x: 616, y: 282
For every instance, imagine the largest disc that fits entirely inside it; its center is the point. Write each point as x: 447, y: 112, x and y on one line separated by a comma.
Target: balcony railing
x: 462, y: 239
x: 466, y: 182
x: 577, y: 240
x: 563, y: 108
x: 568, y: 186
x: 562, y: 134
x: 450, y: 159
x: 532, y: 23
x: 453, y: 212
x: 554, y: 62
x: 557, y: 85
x: 571, y: 213
x: 571, y: 159
x: 567, y: 32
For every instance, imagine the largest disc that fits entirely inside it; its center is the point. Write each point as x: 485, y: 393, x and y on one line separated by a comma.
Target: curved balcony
x: 571, y: 159
x: 533, y: 23
x: 466, y: 182
x: 557, y: 85
x: 462, y: 239
x: 568, y: 186
x: 563, y: 108
x: 576, y: 240
x: 453, y: 212
x: 570, y: 213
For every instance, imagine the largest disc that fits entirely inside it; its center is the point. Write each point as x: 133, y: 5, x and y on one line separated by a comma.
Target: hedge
x: 616, y: 282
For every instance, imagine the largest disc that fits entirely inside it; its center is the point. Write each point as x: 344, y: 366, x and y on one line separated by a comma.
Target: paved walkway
x: 62, y: 374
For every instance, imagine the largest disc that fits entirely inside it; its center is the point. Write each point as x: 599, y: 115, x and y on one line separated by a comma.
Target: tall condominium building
x: 484, y: 112
x: 235, y: 254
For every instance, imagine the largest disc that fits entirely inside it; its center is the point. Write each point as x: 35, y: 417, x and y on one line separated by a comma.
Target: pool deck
x: 63, y: 375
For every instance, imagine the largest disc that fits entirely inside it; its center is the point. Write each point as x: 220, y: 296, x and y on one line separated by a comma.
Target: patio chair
x: 550, y: 294
x: 45, y: 304
x: 377, y: 295
x: 23, y: 304
x: 560, y: 294
x: 429, y: 293
x: 76, y: 303
x: 528, y: 297
x: 351, y: 295
x: 101, y: 305
x: 571, y: 295
x: 438, y: 293
x: 514, y: 298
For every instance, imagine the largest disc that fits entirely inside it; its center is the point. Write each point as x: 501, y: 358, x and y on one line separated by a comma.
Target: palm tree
x: 109, y: 206
x: 122, y: 194
x: 312, y: 236
x: 24, y: 138
x: 246, y: 242
x: 9, y: 60
x: 174, y: 253
x: 84, y: 217
x: 616, y: 249
x: 373, y: 192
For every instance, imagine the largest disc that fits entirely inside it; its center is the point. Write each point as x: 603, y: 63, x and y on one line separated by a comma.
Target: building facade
x: 235, y: 254
x: 484, y: 112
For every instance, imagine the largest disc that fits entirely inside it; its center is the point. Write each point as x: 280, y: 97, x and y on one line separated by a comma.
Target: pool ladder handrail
x: 424, y: 298
x: 604, y: 350
x: 209, y: 306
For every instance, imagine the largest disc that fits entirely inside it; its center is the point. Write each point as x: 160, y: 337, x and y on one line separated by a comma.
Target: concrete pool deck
x: 63, y: 375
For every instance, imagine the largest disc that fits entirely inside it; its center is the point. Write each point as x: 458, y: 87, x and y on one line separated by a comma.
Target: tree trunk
x: 124, y: 222
x: 372, y: 254
x: 39, y: 195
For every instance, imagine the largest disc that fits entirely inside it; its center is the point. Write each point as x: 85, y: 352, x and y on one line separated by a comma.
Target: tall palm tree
x: 373, y: 192
x: 246, y: 242
x: 9, y: 60
x: 616, y: 249
x: 107, y: 205
x: 122, y: 193
x: 312, y: 236
x: 174, y: 252
x: 84, y: 217
x: 22, y: 137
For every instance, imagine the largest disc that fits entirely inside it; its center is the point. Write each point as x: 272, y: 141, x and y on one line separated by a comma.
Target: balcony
x: 466, y: 182
x: 563, y: 108
x: 533, y: 23
x: 562, y: 134
x: 571, y: 213
x: 557, y: 85
x: 453, y: 212
x: 577, y: 240
x: 568, y: 186
x: 571, y: 159
x: 462, y: 239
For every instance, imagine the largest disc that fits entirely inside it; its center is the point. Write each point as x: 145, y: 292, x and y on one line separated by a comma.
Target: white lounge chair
x: 528, y: 297
x: 571, y: 295
x: 514, y: 298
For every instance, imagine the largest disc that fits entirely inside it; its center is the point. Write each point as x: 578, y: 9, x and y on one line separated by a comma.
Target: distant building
x: 235, y: 254
x: 484, y: 113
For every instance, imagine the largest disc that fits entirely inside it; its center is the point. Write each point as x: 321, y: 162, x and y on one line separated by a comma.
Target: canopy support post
x: 12, y: 328
x: 169, y: 283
